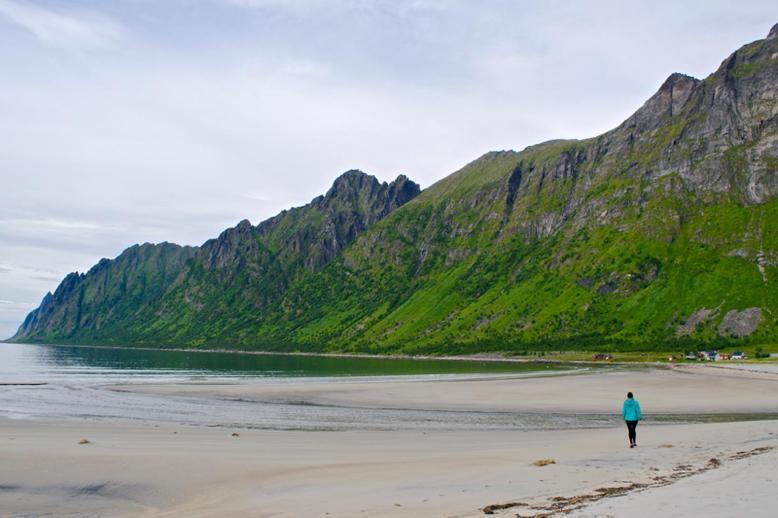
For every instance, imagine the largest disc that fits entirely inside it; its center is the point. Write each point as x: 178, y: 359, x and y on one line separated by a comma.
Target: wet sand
x: 142, y: 469
x: 695, y: 388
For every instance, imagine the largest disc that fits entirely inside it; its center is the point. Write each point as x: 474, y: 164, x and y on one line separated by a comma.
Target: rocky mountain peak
x: 352, y: 180
x: 314, y: 233
x: 402, y: 180
x: 668, y: 101
x: 353, y: 204
x: 227, y: 247
x: 678, y: 82
x: 401, y: 191
x: 243, y: 225
x: 356, y: 185
x: 675, y: 91
x: 773, y: 34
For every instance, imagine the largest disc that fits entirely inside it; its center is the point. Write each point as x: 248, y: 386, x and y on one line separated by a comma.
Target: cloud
x: 55, y: 233
x: 74, y: 31
x: 32, y: 272
x: 12, y: 305
x: 56, y: 225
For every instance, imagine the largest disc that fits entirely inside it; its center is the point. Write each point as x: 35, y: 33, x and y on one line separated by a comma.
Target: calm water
x: 79, y: 383
x: 35, y: 363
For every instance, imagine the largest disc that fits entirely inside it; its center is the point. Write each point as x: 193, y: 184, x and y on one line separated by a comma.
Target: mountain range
x: 659, y: 234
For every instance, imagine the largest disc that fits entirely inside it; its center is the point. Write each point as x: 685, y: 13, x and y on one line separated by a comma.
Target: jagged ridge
x: 246, y: 267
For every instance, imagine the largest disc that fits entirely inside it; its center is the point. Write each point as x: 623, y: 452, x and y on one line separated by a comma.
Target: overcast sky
x: 148, y: 120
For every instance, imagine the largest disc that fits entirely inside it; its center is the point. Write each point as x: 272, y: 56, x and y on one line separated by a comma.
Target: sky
x: 136, y: 121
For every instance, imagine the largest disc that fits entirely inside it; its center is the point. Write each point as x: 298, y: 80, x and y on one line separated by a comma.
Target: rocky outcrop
x: 666, y: 103
x: 740, y: 323
x: 316, y: 233
x: 233, y: 244
x: 694, y: 320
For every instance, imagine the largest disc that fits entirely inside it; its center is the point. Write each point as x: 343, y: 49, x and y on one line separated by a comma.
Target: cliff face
x: 659, y: 232
x: 313, y: 235
x: 240, y: 277
x: 117, y: 289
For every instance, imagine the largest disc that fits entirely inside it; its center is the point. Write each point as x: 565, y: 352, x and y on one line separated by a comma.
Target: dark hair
x: 629, y: 395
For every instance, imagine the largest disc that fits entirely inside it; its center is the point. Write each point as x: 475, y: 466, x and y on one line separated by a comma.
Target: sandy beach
x: 146, y: 469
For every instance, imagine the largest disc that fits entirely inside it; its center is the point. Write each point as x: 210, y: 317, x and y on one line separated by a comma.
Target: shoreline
x: 478, y: 357
x: 495, y: 357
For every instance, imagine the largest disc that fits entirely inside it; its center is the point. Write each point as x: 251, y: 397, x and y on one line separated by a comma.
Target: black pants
x: 633, y: 436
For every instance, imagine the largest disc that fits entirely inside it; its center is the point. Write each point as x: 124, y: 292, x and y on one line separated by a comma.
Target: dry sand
x: 131, y: 469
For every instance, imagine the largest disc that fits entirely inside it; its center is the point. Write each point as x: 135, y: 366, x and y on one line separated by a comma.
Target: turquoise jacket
x: 631, y: 410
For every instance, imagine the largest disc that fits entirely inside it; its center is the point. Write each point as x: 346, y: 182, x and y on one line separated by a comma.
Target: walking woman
x: 630, y: 410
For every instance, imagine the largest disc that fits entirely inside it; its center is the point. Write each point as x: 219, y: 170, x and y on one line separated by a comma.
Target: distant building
x: 710, y: 356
